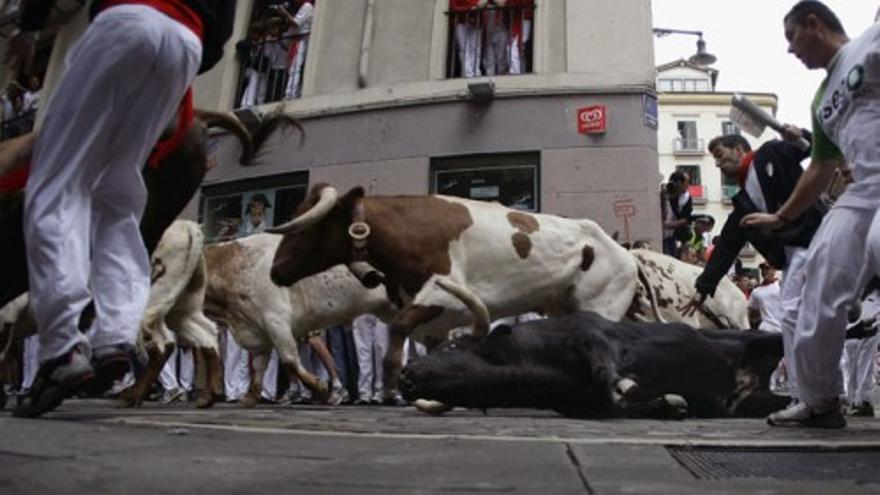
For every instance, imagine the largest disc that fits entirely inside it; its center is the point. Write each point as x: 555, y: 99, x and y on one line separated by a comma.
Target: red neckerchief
x: 165, y: 147
x: 744, y: 165
x: 175, y: 9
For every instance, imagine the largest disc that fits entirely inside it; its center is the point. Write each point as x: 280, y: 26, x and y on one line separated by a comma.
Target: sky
x: 747, y: 37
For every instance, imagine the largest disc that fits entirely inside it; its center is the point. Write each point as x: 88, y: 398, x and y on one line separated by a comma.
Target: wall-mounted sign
x: 592, y: 119
x: 649, y: 105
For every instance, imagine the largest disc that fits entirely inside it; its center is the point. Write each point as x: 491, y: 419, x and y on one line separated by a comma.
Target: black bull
x: 170, y: 187
x: 582, y: 365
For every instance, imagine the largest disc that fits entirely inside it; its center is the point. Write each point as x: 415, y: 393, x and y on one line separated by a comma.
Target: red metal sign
x: 592, y: 119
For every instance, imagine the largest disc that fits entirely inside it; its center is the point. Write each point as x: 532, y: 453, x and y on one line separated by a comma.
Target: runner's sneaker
x: 862, y: 409
x: 110, y: 363
x: 173, y: 395
x: 802, y: 415
x: 57, y: 379
x: 338, y: 394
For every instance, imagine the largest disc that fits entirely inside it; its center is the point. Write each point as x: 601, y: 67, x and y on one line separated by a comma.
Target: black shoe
x: 862, y: 409
x: 111, y: 363
x: 57, y: 379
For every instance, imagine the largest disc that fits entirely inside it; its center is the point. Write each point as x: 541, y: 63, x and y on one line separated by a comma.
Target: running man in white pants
x: 124, y: 81
x: 846, y: 123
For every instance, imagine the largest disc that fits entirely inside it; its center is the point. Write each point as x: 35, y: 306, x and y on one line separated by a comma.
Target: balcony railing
x: 271, y: 70
x: 689, y: 146
x: 490, y: 42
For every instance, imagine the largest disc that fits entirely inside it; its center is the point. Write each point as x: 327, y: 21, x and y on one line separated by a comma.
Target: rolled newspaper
x: 753, y: 119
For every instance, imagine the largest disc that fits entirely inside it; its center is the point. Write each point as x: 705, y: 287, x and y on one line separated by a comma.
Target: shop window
x: 239, y: 209
x: 511, y: 180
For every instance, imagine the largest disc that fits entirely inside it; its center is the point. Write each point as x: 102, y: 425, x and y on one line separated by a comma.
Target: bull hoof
x: 432, y: 407
x: 248, y: 402
x: 204, y: 401
x: 129, y: 397
x: 322, y: 393
x: 676, y: 406
x: 626, y: 390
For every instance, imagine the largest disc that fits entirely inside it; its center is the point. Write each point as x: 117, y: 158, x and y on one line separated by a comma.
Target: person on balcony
x: 298, y: 34
x: 467, y: 21
x: 520, y: 21
x: 496, y: 58
x: 767, y: 178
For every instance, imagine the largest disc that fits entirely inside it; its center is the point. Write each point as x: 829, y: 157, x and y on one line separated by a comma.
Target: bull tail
x: 232, y: 124
x: 649, y: 290
x: 159, y: 308
x: 472, y: 301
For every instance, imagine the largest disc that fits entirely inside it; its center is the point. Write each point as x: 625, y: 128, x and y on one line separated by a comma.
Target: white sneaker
x: 802, y: 415
x: 173, y: 395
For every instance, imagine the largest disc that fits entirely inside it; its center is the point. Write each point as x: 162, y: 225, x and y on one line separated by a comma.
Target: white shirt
x: 765, y: 299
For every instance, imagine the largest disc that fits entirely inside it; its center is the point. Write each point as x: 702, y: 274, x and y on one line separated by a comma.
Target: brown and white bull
x: 512, y: 261
x: 263, y: 316
x: 174, y: 315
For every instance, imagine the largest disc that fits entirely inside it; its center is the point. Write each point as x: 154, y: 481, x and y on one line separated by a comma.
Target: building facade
x: 384, y: 106
x: 691, y: 114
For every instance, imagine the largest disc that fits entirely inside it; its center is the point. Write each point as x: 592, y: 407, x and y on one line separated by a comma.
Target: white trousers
x: 255, y: 91
x: 31, y: 361
x: 790, y: 296
x: 833, y: 279
x: 174, y: 376
x: 270, y: 378
x: 295, y: 72
x: 874, y: 245
x: 517, y: 48
x: 858, y: 368
x: 469, y: 43
x: 371, y: 344
x: 236, y: 377
x: 85, y: 195
x: 495, y: 55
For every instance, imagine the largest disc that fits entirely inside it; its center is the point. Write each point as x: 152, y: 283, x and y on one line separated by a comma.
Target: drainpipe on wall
x: 366, y: 42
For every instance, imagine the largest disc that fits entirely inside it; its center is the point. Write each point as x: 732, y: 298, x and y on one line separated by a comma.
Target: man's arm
x: 810, y: 186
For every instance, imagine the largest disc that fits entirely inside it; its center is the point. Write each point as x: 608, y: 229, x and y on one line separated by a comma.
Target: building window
x: 729, y: 128
x: 242, y: 208
x: 273, y: 54
x: 491, y: 41
x: 687, y: 141
x: 682, y: 85
x: 696, y: 189
x: 511, y: 180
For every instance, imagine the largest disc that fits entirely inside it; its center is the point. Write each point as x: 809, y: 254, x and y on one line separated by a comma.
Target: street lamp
x: 702, y: 57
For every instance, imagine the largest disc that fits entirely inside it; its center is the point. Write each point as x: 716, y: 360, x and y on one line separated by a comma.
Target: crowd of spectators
x: 492, y: 37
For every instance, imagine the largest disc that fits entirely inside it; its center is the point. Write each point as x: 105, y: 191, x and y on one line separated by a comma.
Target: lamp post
x: 702, y: 57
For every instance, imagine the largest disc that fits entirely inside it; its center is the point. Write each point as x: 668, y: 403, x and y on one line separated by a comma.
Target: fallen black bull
x: 583, y: 365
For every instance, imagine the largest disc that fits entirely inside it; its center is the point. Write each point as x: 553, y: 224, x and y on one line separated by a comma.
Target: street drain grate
x: 861, y: 465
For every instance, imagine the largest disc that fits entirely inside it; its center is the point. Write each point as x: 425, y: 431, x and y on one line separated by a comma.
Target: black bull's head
x: 576, y: 365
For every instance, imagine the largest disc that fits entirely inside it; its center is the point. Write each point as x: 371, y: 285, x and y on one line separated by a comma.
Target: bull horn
x: 431, y: 407
x: 472, y: 301
x: 367, y: 274
x: 325, y: 203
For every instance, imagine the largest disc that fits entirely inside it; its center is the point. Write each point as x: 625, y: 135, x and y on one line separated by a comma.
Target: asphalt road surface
x: 91, y: 447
